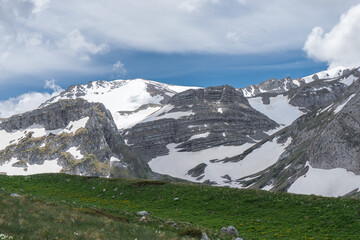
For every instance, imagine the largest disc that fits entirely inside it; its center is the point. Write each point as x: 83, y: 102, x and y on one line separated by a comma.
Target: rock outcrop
x: 325, y: 139
x: 199, y: 119
x: 81, y: 136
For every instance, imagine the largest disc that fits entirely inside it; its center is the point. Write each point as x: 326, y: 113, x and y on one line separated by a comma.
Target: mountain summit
x: 295, y: 135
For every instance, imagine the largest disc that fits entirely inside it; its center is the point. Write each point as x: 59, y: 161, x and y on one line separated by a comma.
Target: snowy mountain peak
x: 129, y: 101
x: 344, y: 75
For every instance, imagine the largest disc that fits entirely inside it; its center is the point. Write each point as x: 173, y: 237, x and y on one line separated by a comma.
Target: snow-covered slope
x: 129, y: 101
x: 200, y: 166
x: 279, y: 109
x: 287, y: 99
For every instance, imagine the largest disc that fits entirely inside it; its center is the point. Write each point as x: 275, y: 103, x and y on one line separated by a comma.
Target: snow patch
x: 164, y: 112
x: 118, y: 162
x: 8, y: 138
x: 75, y: 152
x: 349, y: 80
x: 124, y: 121
x: 267, y: 187
x: 73, y: 126
x: 49, y: 166
x: 341, y: 106
x: 202, y: 135
x: 329, y: 74
x: 179, y: 89
x: 326, y: 182
x: 279, y: 109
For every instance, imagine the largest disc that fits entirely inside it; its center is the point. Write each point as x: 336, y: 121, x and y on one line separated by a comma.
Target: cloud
x: 341, y: 45
x: 40, y: 37
x: 28, y: 101
x: 40, y: 5
x: 193, y: 5
x: 76, y: 43
x: 50, y: 84
x: 119, y: 67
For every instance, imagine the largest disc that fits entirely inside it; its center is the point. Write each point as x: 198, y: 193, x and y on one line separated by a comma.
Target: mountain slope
x: 323, y: 157
x: 129, y: 101
x: 285, y: 100
x: 70, y: 136
x: 195, y: 128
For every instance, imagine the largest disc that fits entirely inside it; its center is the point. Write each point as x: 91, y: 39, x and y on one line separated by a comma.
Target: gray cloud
x: 42, y: 36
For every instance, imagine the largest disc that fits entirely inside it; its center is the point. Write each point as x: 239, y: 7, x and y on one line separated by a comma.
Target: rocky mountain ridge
x: 268, y: 136
x: 72, y: 136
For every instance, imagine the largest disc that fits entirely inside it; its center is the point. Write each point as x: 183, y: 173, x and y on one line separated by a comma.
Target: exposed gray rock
x: 272, y: 86
x: 204, y: 236
x: 324, y: 138
x: 15, y: 195
x: 198, y: 170
x: 143, y: 213
x: 98, y: 142
x: 230, y: 230
x: 316, y: 95
x: 220, y: 112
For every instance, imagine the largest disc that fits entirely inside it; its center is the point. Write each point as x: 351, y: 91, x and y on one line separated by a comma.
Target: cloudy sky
x: 47, y: 45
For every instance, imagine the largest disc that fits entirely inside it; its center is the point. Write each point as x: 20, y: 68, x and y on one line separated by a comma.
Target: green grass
x: 28, y: 218
x: 255, y: 214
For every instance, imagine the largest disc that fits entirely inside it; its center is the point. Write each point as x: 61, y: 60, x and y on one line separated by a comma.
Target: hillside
x: 92, y: 207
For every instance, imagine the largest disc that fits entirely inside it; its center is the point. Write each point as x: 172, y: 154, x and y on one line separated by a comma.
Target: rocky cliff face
x: 197, y: 120
x: 78, y: 136
x: 293, y: 98
x: 324, y: 151
x: 300, y: 135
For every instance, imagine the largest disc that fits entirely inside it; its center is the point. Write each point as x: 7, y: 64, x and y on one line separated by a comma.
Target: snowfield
x: 326, y: 182
x: 279, y: 109
x: 177, y: 164
x: 126, y: 95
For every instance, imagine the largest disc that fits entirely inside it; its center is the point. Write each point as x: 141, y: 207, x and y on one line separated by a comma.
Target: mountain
x: 285, y: 100
x: 70, y: 136
x: 279, y: 135
x: 323, y: 157
x: 129, y: 101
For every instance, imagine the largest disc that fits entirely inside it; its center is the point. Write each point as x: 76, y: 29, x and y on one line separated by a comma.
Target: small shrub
x: 191, y: 232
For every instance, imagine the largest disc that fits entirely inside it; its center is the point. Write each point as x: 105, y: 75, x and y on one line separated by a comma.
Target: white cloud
x: 43, y: 36
x: 341, y: 45
x: 75, y: 43
x: 119, y: 68
x: 53, y: 86
x: 193, y: 5
x: 28, y: 101
x: 40, y: 5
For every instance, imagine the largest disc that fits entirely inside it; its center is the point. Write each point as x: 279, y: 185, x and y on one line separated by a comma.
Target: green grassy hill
x: 72, y: 207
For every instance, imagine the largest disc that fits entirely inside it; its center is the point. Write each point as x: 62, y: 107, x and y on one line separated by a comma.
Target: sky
x: 48, y: 45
